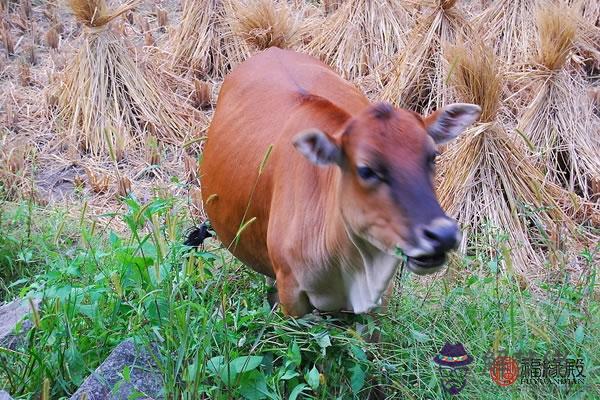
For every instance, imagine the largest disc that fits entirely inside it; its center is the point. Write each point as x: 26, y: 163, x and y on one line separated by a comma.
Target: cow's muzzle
x: 435, y: 241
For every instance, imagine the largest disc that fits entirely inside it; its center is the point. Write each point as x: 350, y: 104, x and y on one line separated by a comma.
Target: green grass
x: 219, y: 339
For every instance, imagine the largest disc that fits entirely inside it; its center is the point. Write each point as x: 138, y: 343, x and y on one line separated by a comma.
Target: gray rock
x: 107, y: 381
x: 5, y: 396
x: 10, y: 316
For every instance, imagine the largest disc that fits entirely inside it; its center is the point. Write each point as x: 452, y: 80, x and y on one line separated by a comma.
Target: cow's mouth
x: 426, y: 264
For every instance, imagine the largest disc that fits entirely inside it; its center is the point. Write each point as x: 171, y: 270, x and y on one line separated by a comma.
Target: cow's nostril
x: 430, y: 235
x: 442, y: 236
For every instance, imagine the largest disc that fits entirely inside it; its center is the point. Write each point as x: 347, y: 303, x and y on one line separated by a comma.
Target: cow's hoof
x: 273, y: 298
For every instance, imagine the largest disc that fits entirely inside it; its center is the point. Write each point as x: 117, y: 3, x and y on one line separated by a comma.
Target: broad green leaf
x: 358, y: 353
x: 76, y: 364
x: 157, y: 310
x: 357, y: 381
x: 296, y: 391
x: 60, y: 292
x: 294, y: 354
x: 89, y: 310
x: 323, y: 340
x: 579, y: 334
x: 493, y: 266
x: 214, y: 364
x: 136, y: 395
x: 126, y: 373
x: 245, y: 363
x: 229, y: 372
x: 563, y: 319
x: 18, y: 282
x: 312, y: 378
x: 289, y: 374
x: 114, y: 239
x: 253, y: 386
x: 191, y: 371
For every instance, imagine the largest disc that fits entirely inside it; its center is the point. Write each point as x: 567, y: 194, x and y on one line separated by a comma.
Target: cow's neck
x: 365, y: 270
x: 368, y: 277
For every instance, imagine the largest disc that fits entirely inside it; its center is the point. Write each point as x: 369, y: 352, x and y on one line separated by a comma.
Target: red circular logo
x: 504, y: 370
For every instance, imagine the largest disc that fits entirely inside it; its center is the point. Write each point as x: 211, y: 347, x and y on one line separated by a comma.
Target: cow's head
x: 387, y: 157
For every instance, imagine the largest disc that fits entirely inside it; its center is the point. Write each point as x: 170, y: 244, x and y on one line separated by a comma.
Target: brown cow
x: 346, y: 185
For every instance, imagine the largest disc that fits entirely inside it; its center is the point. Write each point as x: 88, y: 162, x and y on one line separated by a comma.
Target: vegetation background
x: 103, y: 113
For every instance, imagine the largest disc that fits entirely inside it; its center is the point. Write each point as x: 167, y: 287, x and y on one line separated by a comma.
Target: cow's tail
x: 197, y: 234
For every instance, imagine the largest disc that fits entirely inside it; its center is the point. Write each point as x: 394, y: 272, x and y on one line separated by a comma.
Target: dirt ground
x: 36, y: 159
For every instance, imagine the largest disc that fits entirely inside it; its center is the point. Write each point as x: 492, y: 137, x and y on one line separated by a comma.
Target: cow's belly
x: 357, y: 288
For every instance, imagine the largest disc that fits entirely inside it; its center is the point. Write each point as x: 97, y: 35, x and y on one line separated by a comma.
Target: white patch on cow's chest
x: 365, y: 288
x: 356, y: 288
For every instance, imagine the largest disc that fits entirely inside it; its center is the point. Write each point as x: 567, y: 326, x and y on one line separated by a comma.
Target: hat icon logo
x: 453, y: 365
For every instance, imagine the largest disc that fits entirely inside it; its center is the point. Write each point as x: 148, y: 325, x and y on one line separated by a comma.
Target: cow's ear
x: 318, y: 147
x: 447, y: 123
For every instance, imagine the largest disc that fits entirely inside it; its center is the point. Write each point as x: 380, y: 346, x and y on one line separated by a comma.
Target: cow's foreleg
x: 375, y: 337
x: 293, y: 299
x: 272, y: 295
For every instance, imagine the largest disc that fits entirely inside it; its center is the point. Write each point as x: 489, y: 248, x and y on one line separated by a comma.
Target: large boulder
x: 107, y: 382
x: 5, y: 396
x: 10, y: 315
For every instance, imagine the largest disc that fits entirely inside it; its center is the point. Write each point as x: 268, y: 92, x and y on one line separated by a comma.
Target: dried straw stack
x: 203, y: 43
x: 588, y: 33
x: 592, y: 12
x: 361, y: 36
x: 589, y: 10
x: 264, y: 23
x: 417, y: 79
x: 488, y: 184
x: 511, y: 20
x: 106, y: 102
x: 507, y: 24
x: 559, y: 120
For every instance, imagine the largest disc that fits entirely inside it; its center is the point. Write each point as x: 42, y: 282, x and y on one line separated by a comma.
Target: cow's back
x: 264, y: 101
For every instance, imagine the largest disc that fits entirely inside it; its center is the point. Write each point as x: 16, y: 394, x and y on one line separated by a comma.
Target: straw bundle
x: 264, y: 23
x: 12, y: 170
x: 588, y: 34
x: 95, y: 13
x: 507, y: 24
x: 7, y: 38
x: 106, y: 102
x: 203, y: 43
x: 594, y: 95
x: 559, y: 120
x: 417, y: 80
x: 52, y: 38
x: 511, y: 21
x: 361, y: 36
x: 489, y: 185
x: 589, y: 10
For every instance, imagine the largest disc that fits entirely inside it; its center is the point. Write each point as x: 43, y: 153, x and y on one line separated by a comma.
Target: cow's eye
x: 432, y: 157
x: 368, y: 174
